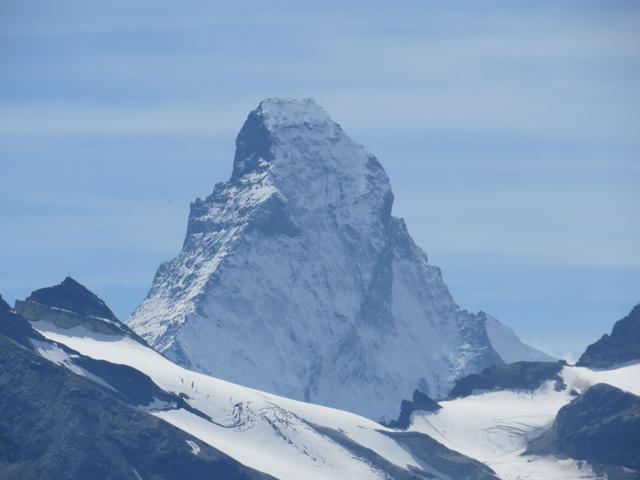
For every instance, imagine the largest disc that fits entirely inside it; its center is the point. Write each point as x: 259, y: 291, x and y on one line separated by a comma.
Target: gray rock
x: 72, y: 296
x: 419, y: 403
x: 69, y: 304
x: 602, y: 427
x: 622, y: 346
x: 513, y: 376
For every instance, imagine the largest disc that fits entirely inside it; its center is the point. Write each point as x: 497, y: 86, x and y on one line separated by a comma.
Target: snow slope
x: 294, y: 278
x: 494, y: 427
x: 272, y: 434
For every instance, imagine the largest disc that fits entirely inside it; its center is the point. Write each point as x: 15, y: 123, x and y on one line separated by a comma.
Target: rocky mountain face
x: 69, y: 295
x: 622, y: 346
x: 55, y: 423
x: 601, y: 426
x: 69, y: 304
x: 419, y: 403
x: 525, y: 376
x: 295, y: 278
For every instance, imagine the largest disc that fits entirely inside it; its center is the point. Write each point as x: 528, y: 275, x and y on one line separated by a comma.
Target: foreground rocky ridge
x: 295, y: 278
x: 58, y: 424
x: 602, y: 427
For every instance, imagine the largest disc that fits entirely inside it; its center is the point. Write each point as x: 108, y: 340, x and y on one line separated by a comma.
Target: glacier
x: 482, y: 432
x: 296, y: 279
x: 248, y: 429
x: 495, y: 427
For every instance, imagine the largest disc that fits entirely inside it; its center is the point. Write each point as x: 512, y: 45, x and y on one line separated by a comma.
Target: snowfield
x: 266, y: 432
x: 280, y: 436
x: 494, y: 427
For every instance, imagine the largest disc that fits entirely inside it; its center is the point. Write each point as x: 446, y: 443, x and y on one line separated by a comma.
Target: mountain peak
x: 621, y: 346
x: 70, y: 304
x: 72, y: 296
x: 283, y: 112
x: 297, y: 125
x: 295, y: 278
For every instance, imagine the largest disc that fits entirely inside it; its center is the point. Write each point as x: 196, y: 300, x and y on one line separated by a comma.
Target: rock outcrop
x: 622, y: 346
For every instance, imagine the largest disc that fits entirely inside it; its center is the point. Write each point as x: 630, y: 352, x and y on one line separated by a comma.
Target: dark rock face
x: 252, y: 144
x: 420, y: 403
x: 69, y: 304
x: 623, y: 345
x: 70, y: 295
x: 4, y: 306
x: 515, y: 376
x: 55, y: 424
x: 15, y: 327
x: 602, y: 426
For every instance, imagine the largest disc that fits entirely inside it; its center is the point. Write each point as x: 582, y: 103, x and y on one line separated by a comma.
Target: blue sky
x: 510, y: 132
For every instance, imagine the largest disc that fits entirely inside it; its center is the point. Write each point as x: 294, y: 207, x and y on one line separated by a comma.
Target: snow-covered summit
x: 281, y: 121
x: 295, y: 278
x: 283, y: 112
x: 294, y: 146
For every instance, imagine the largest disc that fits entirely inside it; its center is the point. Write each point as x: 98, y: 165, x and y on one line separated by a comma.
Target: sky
x: 510, y: 132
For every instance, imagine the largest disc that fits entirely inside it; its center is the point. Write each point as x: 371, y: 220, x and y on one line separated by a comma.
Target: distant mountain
x: 58, y: 424
x: 103, y: 395
x: 295, y: 278
x: 623, y: 345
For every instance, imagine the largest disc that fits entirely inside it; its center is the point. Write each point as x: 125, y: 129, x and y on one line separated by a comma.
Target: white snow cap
x: 281, y: 112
